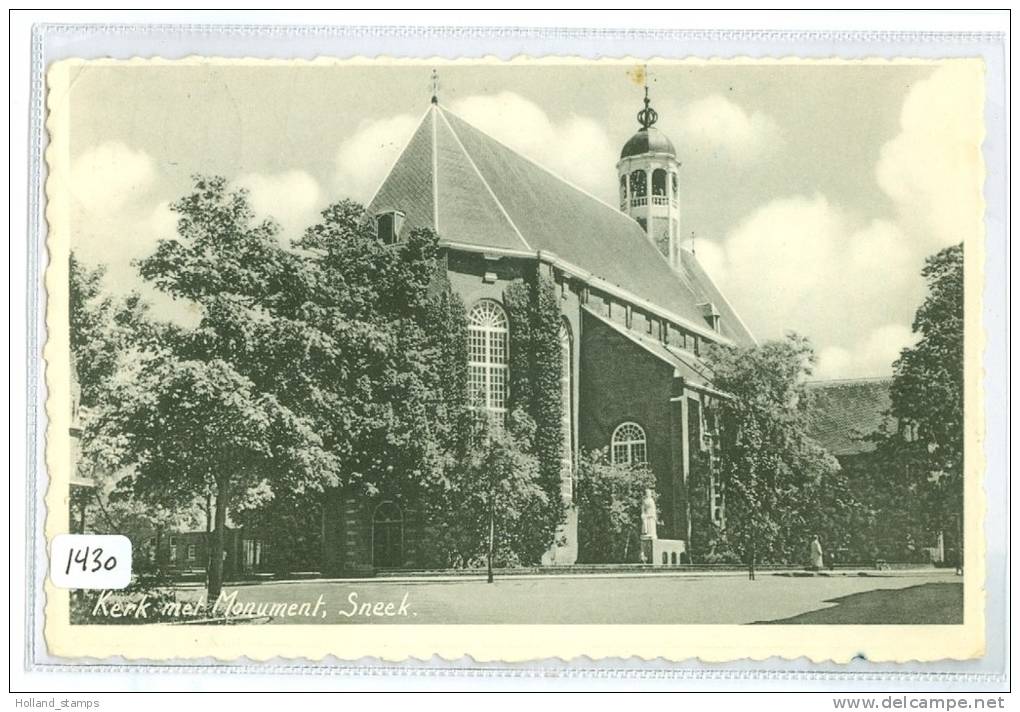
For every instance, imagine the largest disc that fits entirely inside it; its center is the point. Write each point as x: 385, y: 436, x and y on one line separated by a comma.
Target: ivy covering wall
x: 534, y: 313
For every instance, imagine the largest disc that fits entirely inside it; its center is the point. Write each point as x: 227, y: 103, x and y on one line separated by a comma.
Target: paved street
x: 931, y: 597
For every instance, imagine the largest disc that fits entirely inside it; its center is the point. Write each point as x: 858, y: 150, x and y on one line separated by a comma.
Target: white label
x: 90, y: 561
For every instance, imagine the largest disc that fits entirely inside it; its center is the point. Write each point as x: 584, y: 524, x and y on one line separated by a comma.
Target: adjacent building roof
x: 474, y: 191
x: 845, y: 411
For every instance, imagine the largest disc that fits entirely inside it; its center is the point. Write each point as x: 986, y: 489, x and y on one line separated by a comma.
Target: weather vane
x: 647, y: 116
x: 435, y: 87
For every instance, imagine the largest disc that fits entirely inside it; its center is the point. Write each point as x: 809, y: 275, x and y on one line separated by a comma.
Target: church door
x: 387, y: 536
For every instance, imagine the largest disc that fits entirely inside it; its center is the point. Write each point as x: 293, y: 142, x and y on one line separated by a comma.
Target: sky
x: 810, y: 192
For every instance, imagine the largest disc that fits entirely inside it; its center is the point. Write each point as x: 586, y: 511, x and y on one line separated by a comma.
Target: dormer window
x: 388, y: 225
x: 712, y: 315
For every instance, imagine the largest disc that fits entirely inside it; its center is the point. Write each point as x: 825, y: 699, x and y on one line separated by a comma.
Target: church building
x: 637, y: 311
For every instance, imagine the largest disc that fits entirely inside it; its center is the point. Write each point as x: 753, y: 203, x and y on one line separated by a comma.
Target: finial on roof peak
x: 647, y: 116
x: 435, y: 87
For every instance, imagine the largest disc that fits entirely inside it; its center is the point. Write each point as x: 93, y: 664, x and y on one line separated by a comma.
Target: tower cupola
x: 648, y: 172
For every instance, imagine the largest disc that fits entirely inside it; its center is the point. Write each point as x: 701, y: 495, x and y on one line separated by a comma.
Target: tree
x: 492, y: 494
x: 101, y: 327
x: 769, y: 465
x: 325, y: 357
x: 376, y: 383
x: 926, y: 447
x: 609, y: 497
x: 186, y: 425
x: 206, y: 409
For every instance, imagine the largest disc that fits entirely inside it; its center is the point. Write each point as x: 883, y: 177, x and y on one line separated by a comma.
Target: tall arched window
x: 638, y: 184
x: 566, y: 396
x: 658, y: 182
x: 623, y: 189
x: 629, y: 446
x: 487, y: 356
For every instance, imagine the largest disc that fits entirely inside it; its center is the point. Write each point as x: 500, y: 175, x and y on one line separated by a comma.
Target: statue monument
x: 649, y: 516
x: 653, y: 550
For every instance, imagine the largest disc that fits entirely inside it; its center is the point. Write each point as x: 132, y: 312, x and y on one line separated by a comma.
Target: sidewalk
x: 480, y: 575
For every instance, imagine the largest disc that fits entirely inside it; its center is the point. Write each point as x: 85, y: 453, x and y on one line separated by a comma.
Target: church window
x: 566, y: 394
x: 658, y: 182
x: 388, y: 224
x: 638, y: 184
x: 488, y: 357
x: 629, y: 446
x: 717, y: 500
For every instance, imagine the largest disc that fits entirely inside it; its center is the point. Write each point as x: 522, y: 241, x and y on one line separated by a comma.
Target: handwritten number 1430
x: 97, y: 562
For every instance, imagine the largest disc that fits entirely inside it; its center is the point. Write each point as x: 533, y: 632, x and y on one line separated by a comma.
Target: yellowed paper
x: 95, y: 218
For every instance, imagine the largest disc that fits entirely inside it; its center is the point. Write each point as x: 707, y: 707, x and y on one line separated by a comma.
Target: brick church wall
x: 621, y: 382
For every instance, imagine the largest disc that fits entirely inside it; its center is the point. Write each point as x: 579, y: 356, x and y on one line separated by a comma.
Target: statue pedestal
x: 662, y: 552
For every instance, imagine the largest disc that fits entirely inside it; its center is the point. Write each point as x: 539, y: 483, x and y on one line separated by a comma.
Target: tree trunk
x: 219, y: 542
x: 750, y: 561
x: 159, y: 543
x: 208, y: 536
x: 492, y: 539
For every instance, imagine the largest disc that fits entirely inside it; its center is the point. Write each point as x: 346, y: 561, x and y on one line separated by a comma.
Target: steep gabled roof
x: 473, y: 190
x: 846, y: 411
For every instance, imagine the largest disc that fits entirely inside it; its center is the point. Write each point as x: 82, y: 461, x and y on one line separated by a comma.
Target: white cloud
x: 715, y: 123
x: 292, y: 198
x: 110, y: 176
x: 932, y: 169
x: 801, y: 264
x: 162, y: 222
x: 116, y: 241
x: 365, y: 158
x: 871, y: 355
x: 577, y: 148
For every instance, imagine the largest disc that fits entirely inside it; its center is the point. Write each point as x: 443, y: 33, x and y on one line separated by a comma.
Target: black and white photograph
x: 534, y: 342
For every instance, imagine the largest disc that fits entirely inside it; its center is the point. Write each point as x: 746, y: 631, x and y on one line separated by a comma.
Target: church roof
x: 845, y: 411
x: 477, y: 193
x: 684, y: 363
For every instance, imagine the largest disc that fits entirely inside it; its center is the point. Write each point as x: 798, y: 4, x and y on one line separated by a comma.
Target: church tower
x: 650, y: 184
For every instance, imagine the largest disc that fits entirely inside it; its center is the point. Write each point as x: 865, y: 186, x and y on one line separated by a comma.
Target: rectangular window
x: 717, y: 502
x: 192, y: 552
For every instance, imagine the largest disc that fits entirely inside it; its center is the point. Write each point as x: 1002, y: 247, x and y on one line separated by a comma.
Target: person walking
x: 816, y: 554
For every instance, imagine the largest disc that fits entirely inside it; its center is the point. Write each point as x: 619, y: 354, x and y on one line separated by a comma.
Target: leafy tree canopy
x: 770, y: 465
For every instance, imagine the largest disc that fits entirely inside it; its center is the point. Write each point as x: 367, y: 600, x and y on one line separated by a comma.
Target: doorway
x: 388, y: 536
